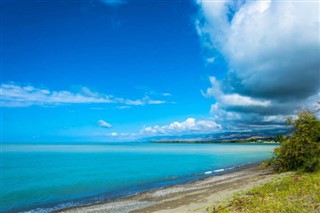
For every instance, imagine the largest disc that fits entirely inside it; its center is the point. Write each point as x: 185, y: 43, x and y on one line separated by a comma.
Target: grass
x: 292, y: 193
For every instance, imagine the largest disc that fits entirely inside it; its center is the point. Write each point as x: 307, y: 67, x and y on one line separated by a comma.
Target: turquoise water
x: 47, y: 177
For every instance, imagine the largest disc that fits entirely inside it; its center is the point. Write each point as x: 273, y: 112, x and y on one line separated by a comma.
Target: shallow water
x: 47, y: 177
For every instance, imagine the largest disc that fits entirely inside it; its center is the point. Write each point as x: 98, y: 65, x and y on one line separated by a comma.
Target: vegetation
x: 297, y: 192
x: 280, y: 138
x: 292, y: 193
x: 301, y: 151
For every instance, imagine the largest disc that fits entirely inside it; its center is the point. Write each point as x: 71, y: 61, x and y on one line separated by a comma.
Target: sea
x: 49, y: 177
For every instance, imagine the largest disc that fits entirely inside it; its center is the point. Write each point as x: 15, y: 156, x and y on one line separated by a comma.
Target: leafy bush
x: 302, y: 149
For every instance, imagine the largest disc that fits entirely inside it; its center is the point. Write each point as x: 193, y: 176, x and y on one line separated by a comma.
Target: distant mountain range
x: 228, y: 136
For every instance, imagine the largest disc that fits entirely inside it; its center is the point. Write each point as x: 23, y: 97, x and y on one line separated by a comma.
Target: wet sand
x: 190, y: 197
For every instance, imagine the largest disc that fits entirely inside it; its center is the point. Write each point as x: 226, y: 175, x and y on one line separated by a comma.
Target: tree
x: 280, y: 138
x: 302, y: 149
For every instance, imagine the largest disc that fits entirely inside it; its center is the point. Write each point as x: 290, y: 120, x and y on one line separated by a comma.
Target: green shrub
x: 312, y: 165
x: 301, y: 151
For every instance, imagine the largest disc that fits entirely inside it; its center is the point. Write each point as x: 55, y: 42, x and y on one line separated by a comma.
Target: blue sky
x: 123, y: 70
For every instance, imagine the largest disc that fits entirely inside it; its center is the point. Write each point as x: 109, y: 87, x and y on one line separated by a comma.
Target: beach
x: 189, y: 197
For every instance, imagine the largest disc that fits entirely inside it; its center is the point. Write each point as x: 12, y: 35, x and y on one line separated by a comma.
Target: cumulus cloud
x: 188, y: 126
x: 17, y: 95
x: 272, y: 49
x: 232, y: 99
x: 104, y: 124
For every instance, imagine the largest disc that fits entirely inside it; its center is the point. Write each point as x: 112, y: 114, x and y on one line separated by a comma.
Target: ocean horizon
x: 48, y: 177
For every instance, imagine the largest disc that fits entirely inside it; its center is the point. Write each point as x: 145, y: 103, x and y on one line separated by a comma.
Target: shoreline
x: 216, y: 142
x: 186, y: 197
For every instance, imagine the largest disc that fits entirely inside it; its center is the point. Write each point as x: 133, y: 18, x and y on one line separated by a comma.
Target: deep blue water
x: 47, y: 177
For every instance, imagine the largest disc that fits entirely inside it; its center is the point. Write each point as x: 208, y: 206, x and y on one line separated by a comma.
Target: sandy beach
x: 190, y: 197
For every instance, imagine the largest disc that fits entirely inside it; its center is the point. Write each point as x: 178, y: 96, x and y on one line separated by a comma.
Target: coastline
x: 188, y: 197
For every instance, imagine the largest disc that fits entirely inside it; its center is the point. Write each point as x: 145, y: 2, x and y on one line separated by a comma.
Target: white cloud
x: 137, y: 102
x: 232, y: 99
x: 210, y: 60
x: 104, y: 124
x: 114, y: 134
x: 275, y: 118
x: 272, y: 47
x: 144, y: 101
x: 222, y: 115
x: 16, y: 95
x: 150, y: 91
x: 166, y: 94
x: 155, y: 102
x: 124, y: 107
x: 272, y: 51
x: 238, y: 100
x: 188, y: 126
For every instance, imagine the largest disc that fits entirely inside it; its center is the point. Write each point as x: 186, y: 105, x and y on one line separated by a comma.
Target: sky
x: 121, y: 70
